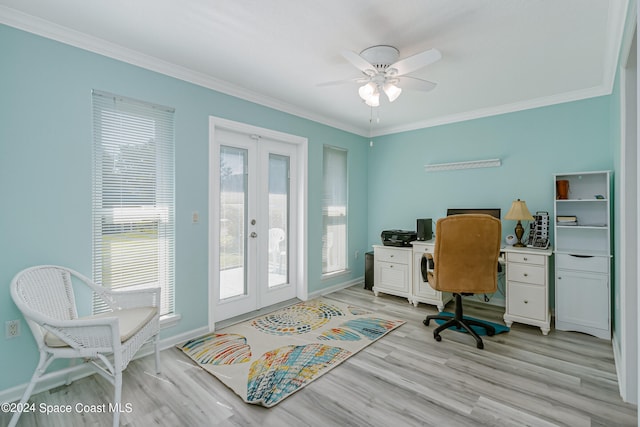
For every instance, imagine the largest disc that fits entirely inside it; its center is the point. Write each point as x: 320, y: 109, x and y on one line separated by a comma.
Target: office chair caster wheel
x: 480, y: 345
x: 490, y: 333
x: 437, y: 337
x: 425, y: 322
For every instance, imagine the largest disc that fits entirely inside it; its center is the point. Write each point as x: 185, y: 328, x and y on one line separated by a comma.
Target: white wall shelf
x: 471, y: 164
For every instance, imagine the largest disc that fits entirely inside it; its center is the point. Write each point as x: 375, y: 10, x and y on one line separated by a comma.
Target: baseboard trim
x: 79, y: 371
x: 335, y: 288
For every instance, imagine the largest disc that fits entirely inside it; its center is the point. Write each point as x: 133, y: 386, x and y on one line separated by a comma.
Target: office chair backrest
x: 466, y: 253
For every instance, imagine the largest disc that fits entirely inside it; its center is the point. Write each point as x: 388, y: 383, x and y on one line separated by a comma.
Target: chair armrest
x: 430, y: 277
x: 131, y: 298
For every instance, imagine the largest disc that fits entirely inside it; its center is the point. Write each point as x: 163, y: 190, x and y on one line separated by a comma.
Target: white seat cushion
x: 130, y: 320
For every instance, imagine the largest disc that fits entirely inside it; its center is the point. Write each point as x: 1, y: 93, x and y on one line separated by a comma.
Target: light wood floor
x: 521, y: 378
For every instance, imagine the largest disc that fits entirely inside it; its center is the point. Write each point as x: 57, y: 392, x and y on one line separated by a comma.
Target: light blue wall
x: 532, y: 145
x: 45, y: 173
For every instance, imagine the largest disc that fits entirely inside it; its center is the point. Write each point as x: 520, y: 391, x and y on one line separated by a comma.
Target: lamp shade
x: 367, y: 90
x: 392, y: 91
x: 373, y: 100
x: 519, y: 211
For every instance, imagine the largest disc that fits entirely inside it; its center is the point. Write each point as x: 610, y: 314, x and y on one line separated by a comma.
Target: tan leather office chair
x: 465, y: 263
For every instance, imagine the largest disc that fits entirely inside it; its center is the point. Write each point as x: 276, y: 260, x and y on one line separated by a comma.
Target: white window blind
x: 334, y: 210
x: 133, y: 196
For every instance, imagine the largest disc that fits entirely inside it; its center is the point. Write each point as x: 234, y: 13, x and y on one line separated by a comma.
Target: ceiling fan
x: 383, y: 72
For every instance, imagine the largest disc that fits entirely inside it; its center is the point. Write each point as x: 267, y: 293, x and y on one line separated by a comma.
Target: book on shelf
x: 566, y: 218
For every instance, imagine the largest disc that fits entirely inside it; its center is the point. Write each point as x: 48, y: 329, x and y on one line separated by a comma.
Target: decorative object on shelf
x: 567, y: 220
x: 471, y: 164
x: 511, y: 240
x: 562, y: 189
x: 519, y: 212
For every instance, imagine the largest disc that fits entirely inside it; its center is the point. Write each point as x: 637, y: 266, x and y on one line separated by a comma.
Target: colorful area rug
x: 477, y: 329
x: 268, y: 358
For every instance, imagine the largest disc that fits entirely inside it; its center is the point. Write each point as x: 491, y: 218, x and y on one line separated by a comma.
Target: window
x: 334, y: 210
x: 133, y: 196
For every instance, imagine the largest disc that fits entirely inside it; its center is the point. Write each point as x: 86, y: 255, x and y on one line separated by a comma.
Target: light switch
x: 195, y: 217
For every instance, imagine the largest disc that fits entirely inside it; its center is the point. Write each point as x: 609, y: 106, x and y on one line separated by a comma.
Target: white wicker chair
x: 44, y: 294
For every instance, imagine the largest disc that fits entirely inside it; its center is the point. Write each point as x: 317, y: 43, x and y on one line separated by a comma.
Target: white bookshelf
x: 583, y: 254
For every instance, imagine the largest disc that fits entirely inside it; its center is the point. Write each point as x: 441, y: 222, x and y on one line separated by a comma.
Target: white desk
x: 397, y: 271
x: 527, y: 287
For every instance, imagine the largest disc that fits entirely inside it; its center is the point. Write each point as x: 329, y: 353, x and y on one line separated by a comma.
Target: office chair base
x: 460, y: 323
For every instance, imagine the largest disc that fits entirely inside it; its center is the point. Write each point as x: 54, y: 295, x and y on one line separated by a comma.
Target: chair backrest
x: 43, y: 292
x: 466, y: 253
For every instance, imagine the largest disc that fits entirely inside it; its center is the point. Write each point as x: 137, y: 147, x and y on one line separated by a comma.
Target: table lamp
x: 519, y: 212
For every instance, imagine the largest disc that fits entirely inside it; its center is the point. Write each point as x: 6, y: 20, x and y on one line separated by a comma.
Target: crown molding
x: 498, y: 110
x: 47, y: 29
x: 616, y: 26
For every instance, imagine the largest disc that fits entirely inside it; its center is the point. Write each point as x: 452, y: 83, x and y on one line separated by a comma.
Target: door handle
x: 253, y: 234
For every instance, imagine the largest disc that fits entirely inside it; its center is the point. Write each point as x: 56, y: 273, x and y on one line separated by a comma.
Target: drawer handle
x: 390, y: 256
x: 391, y: 266
x: 526, y: 259
x: 526, y: 275
x: 526, y: 302
x: 581, y: 256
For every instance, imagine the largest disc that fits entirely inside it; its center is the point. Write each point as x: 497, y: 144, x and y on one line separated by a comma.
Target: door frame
x: 627, y: 297
x: 300, y: 255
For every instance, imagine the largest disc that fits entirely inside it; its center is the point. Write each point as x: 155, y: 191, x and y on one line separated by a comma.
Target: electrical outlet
x: 11, y: 328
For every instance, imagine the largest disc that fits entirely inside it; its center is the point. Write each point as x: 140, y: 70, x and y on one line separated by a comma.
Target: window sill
x: 169, y: 320
x: 329, y: 276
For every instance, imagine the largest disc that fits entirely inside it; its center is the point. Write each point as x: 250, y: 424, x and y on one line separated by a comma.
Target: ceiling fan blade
x: 419, y: 60
x: 358, y: 61
x: 414, y: 83
x: 344, y: 81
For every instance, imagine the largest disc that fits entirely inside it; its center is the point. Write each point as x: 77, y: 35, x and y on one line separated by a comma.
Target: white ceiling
x: 497, y: 55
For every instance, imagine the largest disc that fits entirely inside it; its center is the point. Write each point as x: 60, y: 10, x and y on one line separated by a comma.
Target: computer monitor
x: 456, y: 211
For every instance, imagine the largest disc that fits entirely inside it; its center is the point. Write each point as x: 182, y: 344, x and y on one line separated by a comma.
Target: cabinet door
x: 391, y: 276
x: 582, y: 298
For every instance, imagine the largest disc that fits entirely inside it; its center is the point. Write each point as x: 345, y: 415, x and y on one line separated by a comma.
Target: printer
x: 398, y: 237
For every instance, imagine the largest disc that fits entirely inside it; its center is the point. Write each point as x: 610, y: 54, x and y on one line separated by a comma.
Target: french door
x: 254, y: 222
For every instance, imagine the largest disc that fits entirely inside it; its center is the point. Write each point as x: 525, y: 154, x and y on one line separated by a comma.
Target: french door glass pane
x: 233, y: 221
x: 278, y: 220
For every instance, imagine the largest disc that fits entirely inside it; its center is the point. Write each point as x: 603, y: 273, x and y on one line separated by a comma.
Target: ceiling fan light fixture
x: 392, y: 91
x: 373, y: 100
x: 367, y: 90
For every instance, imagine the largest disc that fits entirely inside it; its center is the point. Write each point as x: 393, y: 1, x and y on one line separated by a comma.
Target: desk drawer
x: 533, y: 274
x: 526, y: 300
x: 393, y: 255
x: 596, y: 264
x: 526, y: 258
